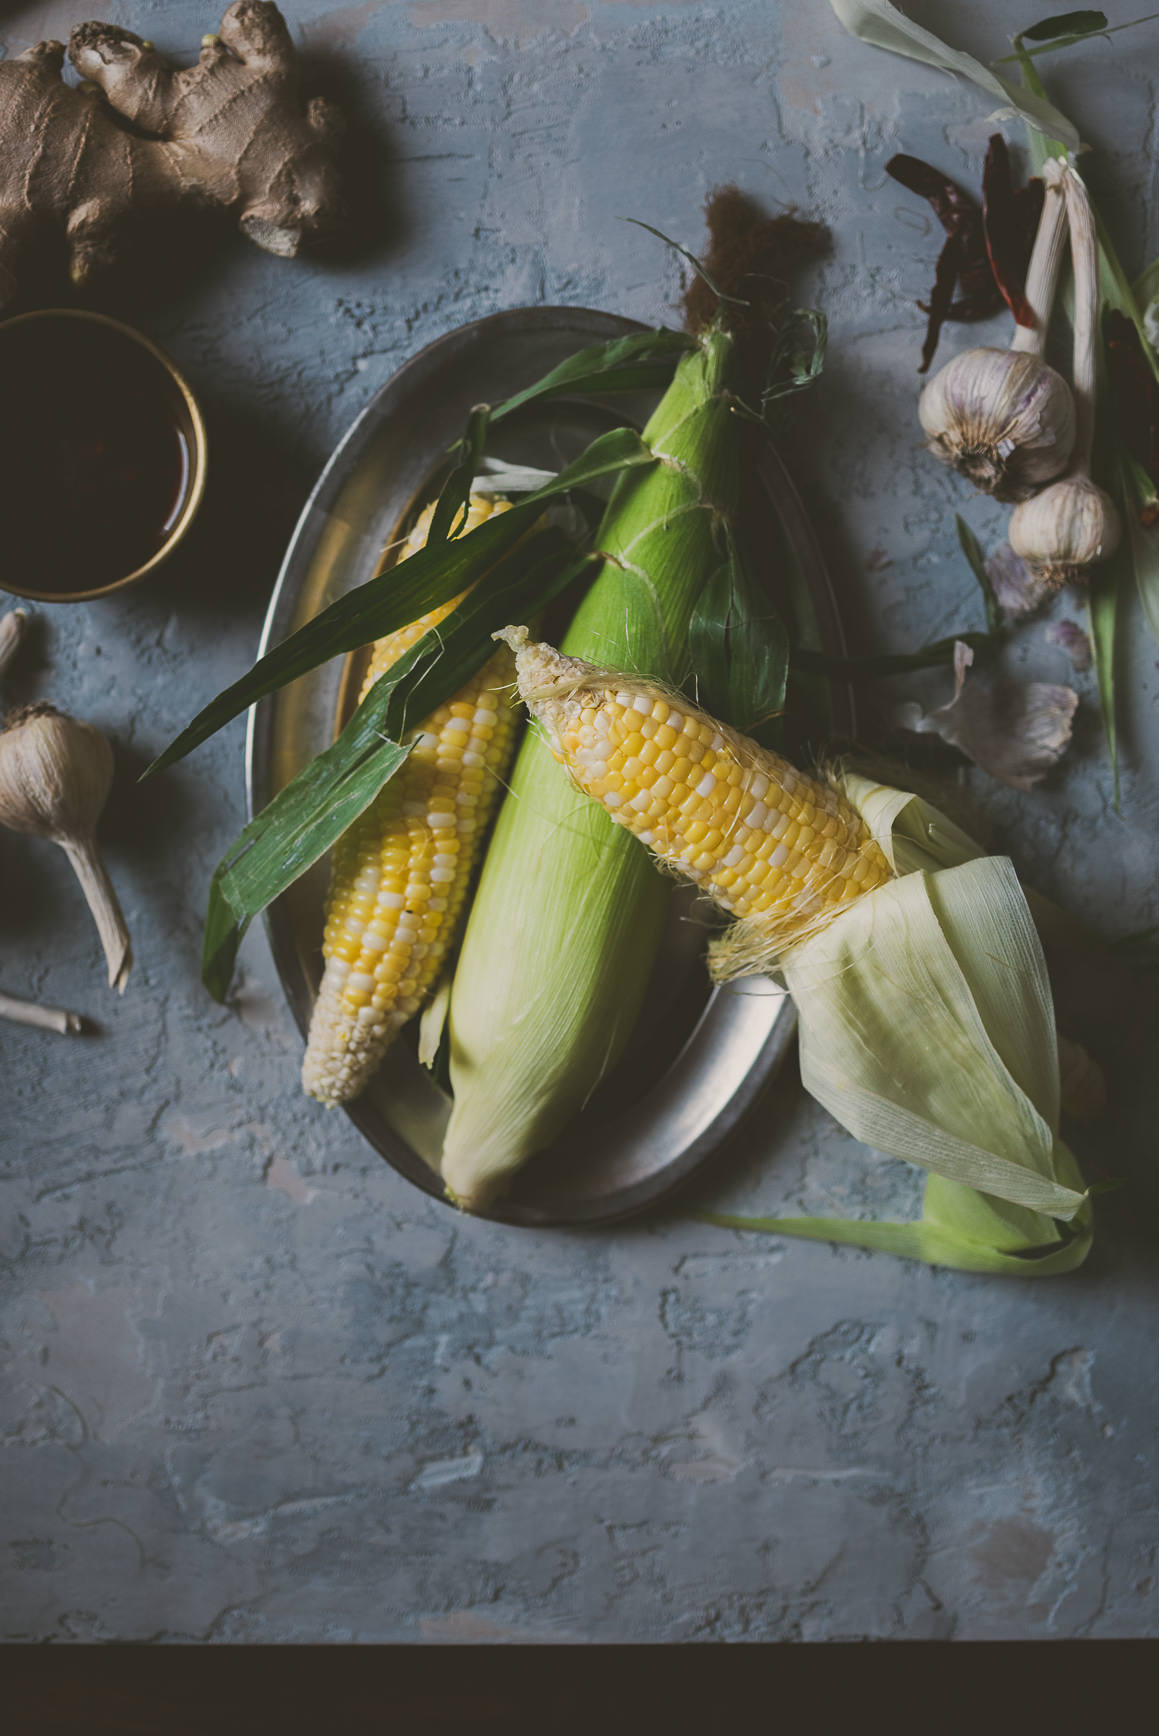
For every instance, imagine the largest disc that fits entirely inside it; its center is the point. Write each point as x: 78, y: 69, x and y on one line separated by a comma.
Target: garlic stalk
x: 55, y: 775
x: 1073, y: 523
x: 1004, y: 418
x: 11, y: 633
x: 32, y: 1013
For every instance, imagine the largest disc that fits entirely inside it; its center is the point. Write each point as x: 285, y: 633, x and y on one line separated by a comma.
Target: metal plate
x: 700, y: 1056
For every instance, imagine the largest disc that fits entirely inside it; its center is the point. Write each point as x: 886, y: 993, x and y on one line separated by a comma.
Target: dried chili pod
x: 963, y: 261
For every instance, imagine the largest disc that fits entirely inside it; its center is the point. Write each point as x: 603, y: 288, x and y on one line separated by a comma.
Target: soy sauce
x: 94, y: 455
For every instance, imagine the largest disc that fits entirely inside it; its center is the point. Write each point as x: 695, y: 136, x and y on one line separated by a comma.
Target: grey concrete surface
x: 258, y: 1389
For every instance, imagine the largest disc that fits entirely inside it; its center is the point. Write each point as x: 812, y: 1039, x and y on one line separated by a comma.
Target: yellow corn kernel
x: 400, y: 873
x: 765, y: 841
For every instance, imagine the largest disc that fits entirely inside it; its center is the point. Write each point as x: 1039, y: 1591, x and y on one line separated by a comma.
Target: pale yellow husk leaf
x: 927, y: 1025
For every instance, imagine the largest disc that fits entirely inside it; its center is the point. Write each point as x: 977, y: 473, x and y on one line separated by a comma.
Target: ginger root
x: 140, y: 139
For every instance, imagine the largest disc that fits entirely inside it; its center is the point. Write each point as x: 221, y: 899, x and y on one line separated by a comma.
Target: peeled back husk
x: 569, y: 910
x: 927, y: 1029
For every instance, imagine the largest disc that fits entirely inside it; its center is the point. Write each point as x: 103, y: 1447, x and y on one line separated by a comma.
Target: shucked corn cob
x: 779, y: 850
x: 400, y: 872
x: 926, y: 1024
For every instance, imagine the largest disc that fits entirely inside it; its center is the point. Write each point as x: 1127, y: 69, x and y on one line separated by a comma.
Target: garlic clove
x: 1003, y: 418
x: 1013, y: 730
x: 55, y: 775
x: 1064, y: 529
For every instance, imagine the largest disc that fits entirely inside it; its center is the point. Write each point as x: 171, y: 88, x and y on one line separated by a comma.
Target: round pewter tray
x: 700, y: 1056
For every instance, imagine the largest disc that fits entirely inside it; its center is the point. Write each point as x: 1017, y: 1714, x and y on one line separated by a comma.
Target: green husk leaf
x: 1143, y: 543
x: 1146, y: 293
x: 798, y: 356
x: 297, y: 827
x: 1079, y: 32
x: 697, y: 266
x: 640, y: 361
x: 451, y: 509
x: 313, y: 810
x: 397, y: 596
x: 972, y: 549
x: 883, y: 26
x: 739, y: 649
x: 933, y: 1243
x: 1102, y: 622
x: 1070, y: 24
x: 874, y: 668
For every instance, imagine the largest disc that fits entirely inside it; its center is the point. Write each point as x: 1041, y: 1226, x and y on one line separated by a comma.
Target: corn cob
x: 779, y: 850
x: 400, y: 872
x: 567, y: 918
x: 926, y: 1023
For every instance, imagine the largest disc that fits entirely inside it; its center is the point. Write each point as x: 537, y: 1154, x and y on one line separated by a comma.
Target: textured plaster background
x: 257, y: 1388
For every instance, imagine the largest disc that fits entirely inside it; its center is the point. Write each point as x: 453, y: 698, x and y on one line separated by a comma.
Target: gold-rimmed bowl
x: 85, y: 354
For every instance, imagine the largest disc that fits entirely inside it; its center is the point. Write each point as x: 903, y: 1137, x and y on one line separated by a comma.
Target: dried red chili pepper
x: 986, y: 251
x: 1009, y: 223
x: 1135, y: 390
x: 963, y: 259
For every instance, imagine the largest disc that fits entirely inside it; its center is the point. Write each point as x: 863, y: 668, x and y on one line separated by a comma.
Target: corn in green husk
x: 568, y: 914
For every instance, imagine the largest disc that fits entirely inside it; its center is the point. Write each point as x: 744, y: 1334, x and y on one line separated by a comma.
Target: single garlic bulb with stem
x: 55, y: 775
x: 1004, y: 418
x: 1074, y: 523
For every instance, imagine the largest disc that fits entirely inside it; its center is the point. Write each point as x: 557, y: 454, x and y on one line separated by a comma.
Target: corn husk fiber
x: 927, y: 1030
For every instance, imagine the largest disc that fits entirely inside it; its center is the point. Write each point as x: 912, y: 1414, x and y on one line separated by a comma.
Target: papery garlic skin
x: 1070, y: 525
x: 55, y: 775
x: 1003, y: 418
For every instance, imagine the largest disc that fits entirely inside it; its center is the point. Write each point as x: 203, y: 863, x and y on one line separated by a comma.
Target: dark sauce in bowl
x: 97, y: 454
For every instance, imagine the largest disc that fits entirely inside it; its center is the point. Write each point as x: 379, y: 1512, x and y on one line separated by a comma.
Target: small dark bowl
x: 190, y: 424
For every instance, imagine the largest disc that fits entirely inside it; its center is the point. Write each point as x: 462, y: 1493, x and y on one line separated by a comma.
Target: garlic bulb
x: 1004, y: 418
x: 1073, y: 523
x: 1068, y: 526
x: 55, y: 774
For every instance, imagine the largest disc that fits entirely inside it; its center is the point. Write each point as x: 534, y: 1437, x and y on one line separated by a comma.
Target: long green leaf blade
x: 1072, y: 25
x: 313, y: 810
x: 739, y: 649
x: 972, y: 549
x: 452, y: 502
x: 882, y: 25
x: 919, y: 1240
x: 627, y: 364
x: 402, y: 594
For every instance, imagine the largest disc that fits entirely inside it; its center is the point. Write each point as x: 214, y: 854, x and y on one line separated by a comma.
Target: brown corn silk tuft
x: 752, y: 257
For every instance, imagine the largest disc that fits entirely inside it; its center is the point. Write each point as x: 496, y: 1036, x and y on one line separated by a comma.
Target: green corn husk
x: 568, y: 914
x: 927, y: 1030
